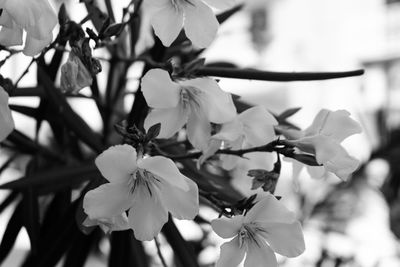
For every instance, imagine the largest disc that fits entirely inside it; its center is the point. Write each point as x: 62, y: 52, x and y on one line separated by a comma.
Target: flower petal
x: 167, y: 23
x: 107, y: 200
x: 342, y: 165
x: 285, y: 239
x: 198, y: 129
x: 6, y: 20
x: 165, y: 169
x: 117, y: 163
x: 171, y: 119
x: 36, y: 17
x: 231, y: 254
x: 258, y: 126
x: 147, y: 215
x: 335, y: 124
x: 217, y: 104
x: 159, y: 90
x: 6, y: 120
x: 183, y: 205
x: 260, y: 256
x: 221, y: 4
x: 316, y: 172
x: 230, y: 131
x: 10, y: 36
x: 35, y: 46
x: 227, y: 227
x: 269, y: 209
x: 116, y: 223
x: 200, y: 25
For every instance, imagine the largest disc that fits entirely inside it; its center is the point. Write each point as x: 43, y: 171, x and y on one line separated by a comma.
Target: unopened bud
x: 74, y: 75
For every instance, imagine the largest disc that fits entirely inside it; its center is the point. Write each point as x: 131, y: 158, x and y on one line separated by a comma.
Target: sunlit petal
x: 269, y: 209
x: 167, y: 23
x: 117, y: 163
x: 200, y: 24
x: 227, y: 227
x: 260, y: 256
x: 107, y: 200
x: 171, y: 119
x: 147, y: 215
x: 316, y: 171
x: 285, y: 239
x: 230, y: 131
x: 183, y: 205
x: 217, y: 104
x: 159, y: 90
x: 10, y: 36
x: 258, y: 126
x: 342, y: 165
x: 221, y: 4
x: 35, y: 46
x: 231, y: 254
x: 198, y: 129
x: 165, y: 169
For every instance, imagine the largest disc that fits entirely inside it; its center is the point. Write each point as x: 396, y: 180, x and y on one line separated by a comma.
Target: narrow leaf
x: 10, y: 234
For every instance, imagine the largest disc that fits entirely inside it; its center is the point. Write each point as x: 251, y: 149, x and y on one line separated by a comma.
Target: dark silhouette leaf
x: 10, y: 234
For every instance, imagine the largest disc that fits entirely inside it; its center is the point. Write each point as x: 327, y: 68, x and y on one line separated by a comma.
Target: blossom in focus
x: 6, y: 120
x: 196, y: 102
x: 251, y: 128
x: 148, y: 188
x: 266, y: 228
x: 74, y: 75
x: 36, y: 17
x: 167, y: 18
x: 323, y: 138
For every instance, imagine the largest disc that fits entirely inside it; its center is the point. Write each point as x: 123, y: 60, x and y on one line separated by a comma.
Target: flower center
x: 142, y: 177
x: 248, y: 234
x: 190, y: 97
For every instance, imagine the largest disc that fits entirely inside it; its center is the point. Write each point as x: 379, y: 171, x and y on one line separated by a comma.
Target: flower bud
x: 74, y: 75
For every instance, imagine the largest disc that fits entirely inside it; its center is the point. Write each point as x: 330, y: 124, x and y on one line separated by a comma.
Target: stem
x: 251, y: 74
x: 160, y: 255
x: 24, y: 73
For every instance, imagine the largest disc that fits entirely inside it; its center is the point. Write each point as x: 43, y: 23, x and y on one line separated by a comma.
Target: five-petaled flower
x: 197, y: 18
x: 251, y: 128
x: 36, y: 17
x: 6, y: 120
x: 323, y: 138
x: 148, y: 188
x: 196, y: 102
x: 267, y: 227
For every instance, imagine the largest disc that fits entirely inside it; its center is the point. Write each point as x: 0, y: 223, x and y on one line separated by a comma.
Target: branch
x: 251, y: 74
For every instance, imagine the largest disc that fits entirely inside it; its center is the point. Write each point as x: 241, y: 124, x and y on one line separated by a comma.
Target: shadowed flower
x: 115, y: 223
x: 323, y: 138
x: 196, y: 102
x: 6, y: 120
x: 74, y: 75
x: 267, y: 227
x: 197, y: 18
x: 148, y: 188
x: 36, y: 17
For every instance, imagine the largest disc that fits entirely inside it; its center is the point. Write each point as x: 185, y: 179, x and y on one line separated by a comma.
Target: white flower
x: 323, y: 138
x: 267, y: 227
x: 74, y: 75
x: 36, y: 17
x: 196, y: 102
x: 6, y: 120
x: 200, y: 24
x: 147, y: 188
x: 251, y: 128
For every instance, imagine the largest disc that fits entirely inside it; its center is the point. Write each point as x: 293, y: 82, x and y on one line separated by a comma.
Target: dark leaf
x: 126, y: 250
x: 153, y: 132
x: 72, y: 120
x: 182, y: 249
x: 63, y: 17
x: 27, y: 111
x: 288, y: 113
x: 10, y: 234
x: 113, y: 30
x: 222, y: 17
x: 79, y: 252
x: 58, y: 177
x: 8, y: 200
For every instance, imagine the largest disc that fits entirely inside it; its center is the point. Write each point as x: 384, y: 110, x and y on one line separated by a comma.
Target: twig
x: 159, y: 252
x: 24, y: 73
x: 251, y: 74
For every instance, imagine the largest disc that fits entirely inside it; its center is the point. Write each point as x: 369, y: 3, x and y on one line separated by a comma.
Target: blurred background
x: 345, y: 224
